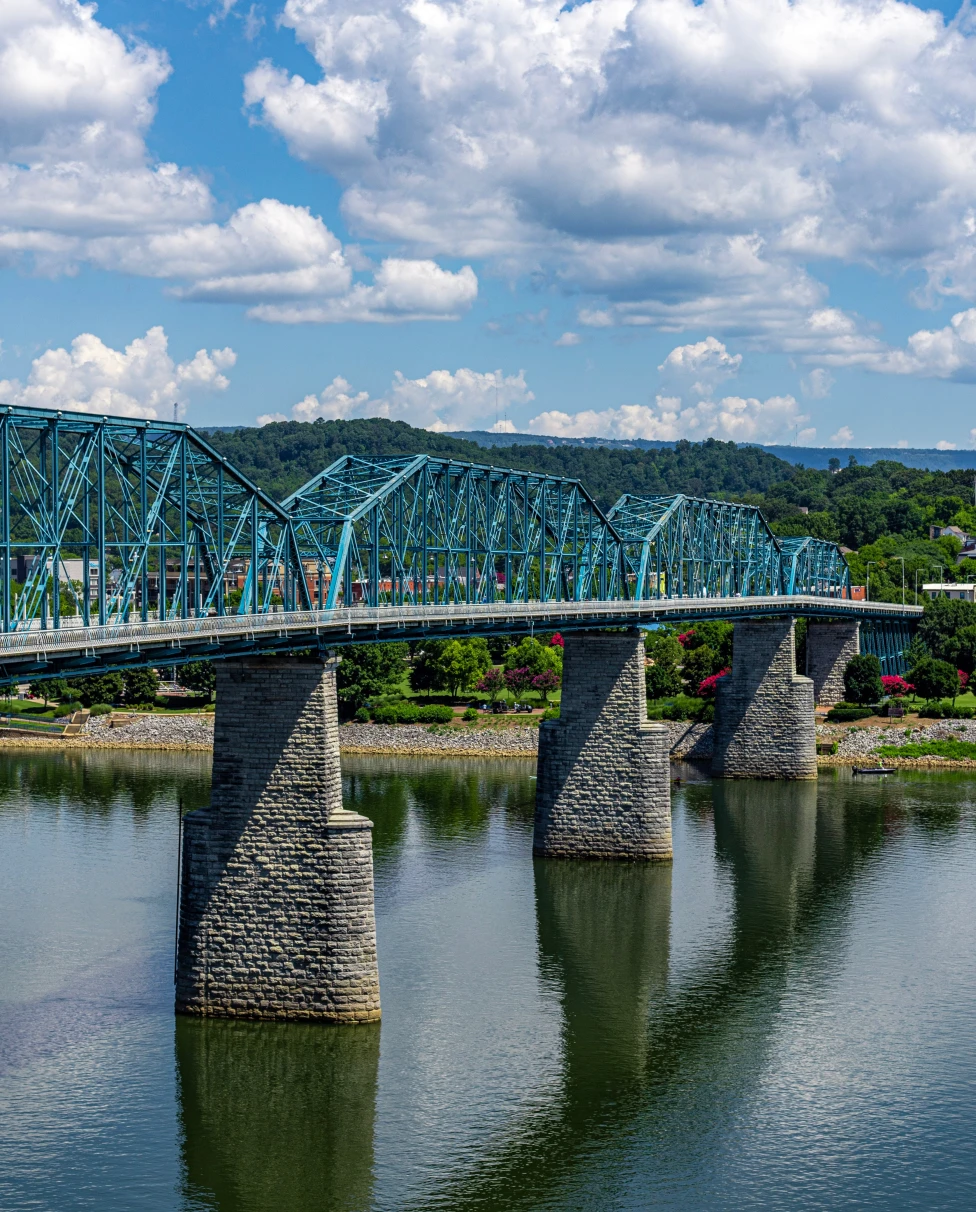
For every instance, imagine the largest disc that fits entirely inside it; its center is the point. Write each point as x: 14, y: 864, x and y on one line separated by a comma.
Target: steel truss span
x: 682, y: 546
x: 127, y: 542
x: 423, y: 530
x: 152, y: 521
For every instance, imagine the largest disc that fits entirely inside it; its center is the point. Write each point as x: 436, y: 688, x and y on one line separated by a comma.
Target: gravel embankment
x: 150, y: 732
x: 417, y: 739
x: 688, y: 741
x: 860, y: 743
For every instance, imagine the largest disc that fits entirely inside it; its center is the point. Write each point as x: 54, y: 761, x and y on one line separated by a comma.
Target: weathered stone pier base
x: 276, y: 910
x: 603, y: 788
x: 764, y: 723
x: 829, y: 647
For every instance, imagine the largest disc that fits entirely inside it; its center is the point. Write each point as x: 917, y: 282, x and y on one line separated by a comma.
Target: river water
x: 786, y: 1018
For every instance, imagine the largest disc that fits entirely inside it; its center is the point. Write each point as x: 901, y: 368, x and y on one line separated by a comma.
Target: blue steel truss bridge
x: 126, y: 542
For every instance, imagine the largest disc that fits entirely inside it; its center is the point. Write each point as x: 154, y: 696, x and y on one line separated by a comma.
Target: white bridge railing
x: 340, y: 626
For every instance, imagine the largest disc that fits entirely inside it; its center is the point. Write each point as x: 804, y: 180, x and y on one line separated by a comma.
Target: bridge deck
x: 75, y: 650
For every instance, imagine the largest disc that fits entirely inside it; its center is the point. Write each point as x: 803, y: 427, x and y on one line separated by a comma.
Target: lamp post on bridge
x: 867, y: 591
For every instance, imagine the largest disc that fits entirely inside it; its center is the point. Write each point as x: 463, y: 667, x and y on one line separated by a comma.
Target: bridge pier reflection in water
x: 277, y: 1116
x: 667, y: 1022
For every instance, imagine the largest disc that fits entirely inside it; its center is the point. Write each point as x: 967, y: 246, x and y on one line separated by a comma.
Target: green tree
x: 943, y: 621
x: 367, y: 670
x: 700, y: 663
x: 528, y: 653
x: 426, y: 671
x: 934, y: 679
x: 200, y: 677
x: 141, y: 686
x: 99, y: 688
x: 862, y: 679
x: 50, y: 689
x: 716, y: 635
x: 462, y: 661
x: 662, y: 681
x: 665, y: 653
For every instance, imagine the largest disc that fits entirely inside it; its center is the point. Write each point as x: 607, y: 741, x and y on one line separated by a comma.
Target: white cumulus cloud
x: 442, y: 400
x: 78, y: 185
x: 683, y: 160
x: 140, y: 381
x: 817, y: 383
x: 732, y: 418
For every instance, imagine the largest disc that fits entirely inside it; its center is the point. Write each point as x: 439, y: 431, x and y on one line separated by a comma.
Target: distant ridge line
x: 809, y: 456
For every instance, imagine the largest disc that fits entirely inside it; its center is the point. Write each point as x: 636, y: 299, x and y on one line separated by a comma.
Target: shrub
x: 396, y: 713
x: 362, y: 715
x: 159, y: 701
x: 470, y: 714
x: 551, y: 713
x: 862, y: 679
x: 845, y: 713
x: 931, y: 711
x: 681, y: 707
x: 100, y: 709
x: 434, y: 714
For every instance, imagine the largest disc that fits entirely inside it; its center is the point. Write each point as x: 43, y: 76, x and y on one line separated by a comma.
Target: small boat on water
x: 873, y: 770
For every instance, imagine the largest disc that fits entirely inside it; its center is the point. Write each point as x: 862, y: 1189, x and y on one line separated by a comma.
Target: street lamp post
x: 867, y: 590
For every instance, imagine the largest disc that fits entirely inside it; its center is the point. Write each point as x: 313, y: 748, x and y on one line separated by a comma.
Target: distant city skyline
x: 620, y: 218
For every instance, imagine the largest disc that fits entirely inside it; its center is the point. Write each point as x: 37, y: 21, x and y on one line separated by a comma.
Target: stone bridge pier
x: 276, y: 905
x: 764, y: 722
x: 829, y: 647
x: 604, y: 782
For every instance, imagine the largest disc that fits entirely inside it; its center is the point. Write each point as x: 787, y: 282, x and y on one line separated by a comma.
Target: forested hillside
x: 883, y: 512
x: 282, y: 456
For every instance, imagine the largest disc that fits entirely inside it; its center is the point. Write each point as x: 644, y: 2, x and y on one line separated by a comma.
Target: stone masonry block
x: 829, y: 647
x: 764, y: 723
x: 276, y: 907
x: 604, y: 781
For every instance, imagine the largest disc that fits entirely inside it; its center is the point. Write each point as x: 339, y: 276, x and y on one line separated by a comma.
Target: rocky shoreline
x: 689, y: 742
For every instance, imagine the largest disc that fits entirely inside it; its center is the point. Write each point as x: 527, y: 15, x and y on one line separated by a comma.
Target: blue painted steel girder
x: 431, y: 530
x: 135, y: 502
x: 680, y: 546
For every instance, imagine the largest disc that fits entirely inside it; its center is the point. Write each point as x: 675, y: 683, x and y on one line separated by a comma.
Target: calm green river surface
x: 784, y: 1019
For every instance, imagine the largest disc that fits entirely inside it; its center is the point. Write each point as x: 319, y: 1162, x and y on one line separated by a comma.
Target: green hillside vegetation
x: 282, y: 456
x: 883, y: 512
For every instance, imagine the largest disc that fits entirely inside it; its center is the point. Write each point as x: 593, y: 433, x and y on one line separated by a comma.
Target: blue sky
x: 634, y: 218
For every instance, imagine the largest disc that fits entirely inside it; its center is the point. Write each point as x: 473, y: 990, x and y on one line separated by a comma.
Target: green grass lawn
x: 956, y: 750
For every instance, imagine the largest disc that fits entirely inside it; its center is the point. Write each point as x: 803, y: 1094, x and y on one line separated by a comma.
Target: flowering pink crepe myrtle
x: 707, y: 688
x: 895, y: 684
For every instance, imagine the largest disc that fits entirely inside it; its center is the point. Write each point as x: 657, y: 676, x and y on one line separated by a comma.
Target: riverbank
x: 856, y: 746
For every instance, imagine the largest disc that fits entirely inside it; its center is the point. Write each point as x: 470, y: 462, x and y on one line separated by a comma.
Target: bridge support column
x: 276, y: 909
x: 829, y: 647
x: 764, y: 724
x: 604, y: 784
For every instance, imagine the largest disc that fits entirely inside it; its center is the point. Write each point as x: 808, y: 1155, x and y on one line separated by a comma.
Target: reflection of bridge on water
x: 637, y: 1031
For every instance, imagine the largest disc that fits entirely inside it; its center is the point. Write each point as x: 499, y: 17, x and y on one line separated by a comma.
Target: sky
x: 743, y: 219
